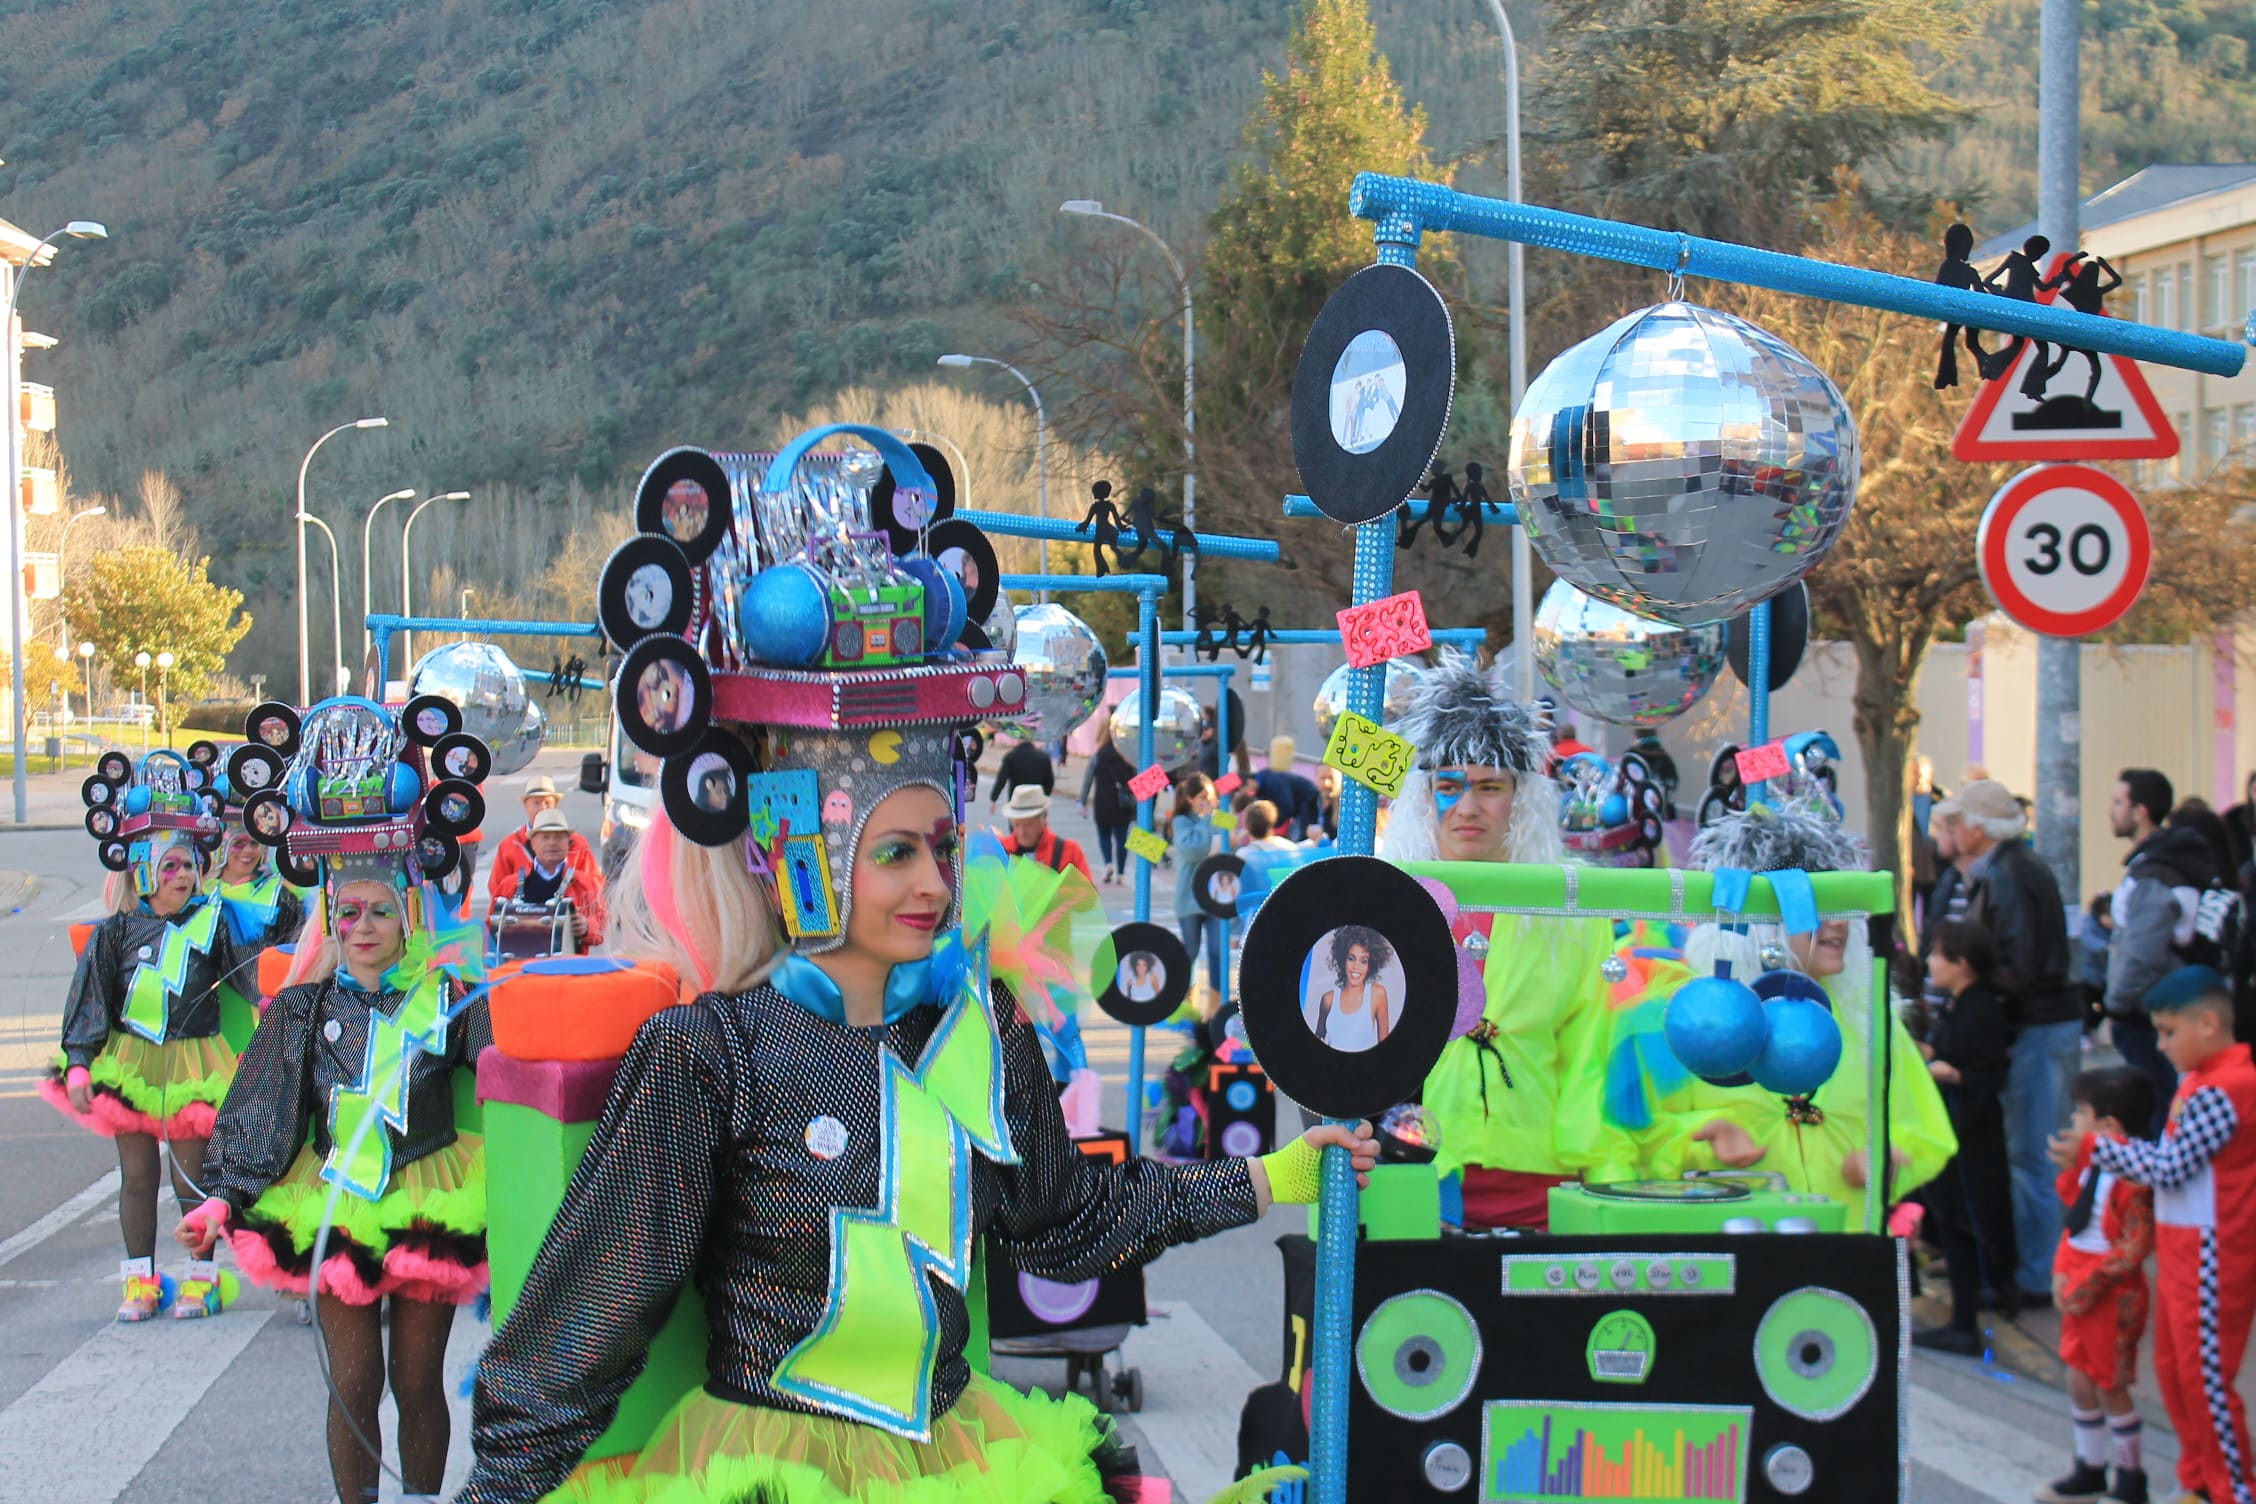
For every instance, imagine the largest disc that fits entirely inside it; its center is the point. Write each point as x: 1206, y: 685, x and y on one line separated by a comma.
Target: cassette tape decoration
x: 1693, y: 1368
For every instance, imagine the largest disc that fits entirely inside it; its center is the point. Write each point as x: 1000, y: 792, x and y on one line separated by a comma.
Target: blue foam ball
x: 944, y: 604
x: 784, y: 617
x: 136, y: 801
x: 1615, y: 811
x: 1782, y: 983
x: 1714, y: 1026
x: 1803, y: 1047
x: 223, y: 787
x: 402, y: 788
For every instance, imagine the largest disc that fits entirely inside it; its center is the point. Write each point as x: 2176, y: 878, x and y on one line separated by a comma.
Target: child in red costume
x: 2099, y: 1286
x: 2203, y: 1170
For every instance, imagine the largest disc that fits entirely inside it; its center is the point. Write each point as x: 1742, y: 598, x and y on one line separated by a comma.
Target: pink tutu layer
x: 111, y: 1117
x: 407, y: 1272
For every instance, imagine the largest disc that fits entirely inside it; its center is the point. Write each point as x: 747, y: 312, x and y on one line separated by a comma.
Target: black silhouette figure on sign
x: 1104, y: 518
x: 1257, y: 631
x: 564, y: 679
x: 2023, y: 277
x: 1208, y: 644
x: 1956, y: 271
x: 2082, y: 289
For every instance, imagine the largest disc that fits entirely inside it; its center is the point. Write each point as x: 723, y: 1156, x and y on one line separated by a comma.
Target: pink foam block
x: 570, y: 1091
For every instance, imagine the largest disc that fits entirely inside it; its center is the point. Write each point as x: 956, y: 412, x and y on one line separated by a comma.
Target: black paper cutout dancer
x: 1104, y: 518
x: 1257, y: 631
x: 564, y: 679
x: 1441, y: 493
x: 1957, y: 271
x: 1208, y: 644
x: 1472, y: 506
x: 2024, y: 278
x: 2082, y: 290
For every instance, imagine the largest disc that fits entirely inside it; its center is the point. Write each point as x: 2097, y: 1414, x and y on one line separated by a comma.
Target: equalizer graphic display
x: 1534, y: 1452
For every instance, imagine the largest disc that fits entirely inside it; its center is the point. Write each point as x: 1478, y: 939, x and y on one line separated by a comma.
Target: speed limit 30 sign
x: 2065, y: 549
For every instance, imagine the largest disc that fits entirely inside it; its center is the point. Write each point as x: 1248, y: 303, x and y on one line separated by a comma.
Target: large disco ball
x: 1620, y: 667
x: 1064, y: 664
x: 488, y: 689
x: 512, y: 755
x: 1331, y: 695
x: 1683, y: 464
x: 1175, y: 730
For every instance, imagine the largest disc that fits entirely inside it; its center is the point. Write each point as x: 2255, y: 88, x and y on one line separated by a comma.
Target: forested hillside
x: 547, y: 237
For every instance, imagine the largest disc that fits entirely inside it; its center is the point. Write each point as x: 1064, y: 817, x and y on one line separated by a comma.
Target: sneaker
x: 144, y: 1292
x: 304, y: 1313
x: 2129, y: 1487
x: 1949, y: 1339
x: 200, y: 1293
x: 2085, y: 1484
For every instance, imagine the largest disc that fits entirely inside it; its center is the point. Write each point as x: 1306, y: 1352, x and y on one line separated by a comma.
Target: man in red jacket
x: 515, y: 853
x: 551, y: 875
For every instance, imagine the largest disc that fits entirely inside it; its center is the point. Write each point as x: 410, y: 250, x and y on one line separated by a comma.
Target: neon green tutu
x: 170, y: 1090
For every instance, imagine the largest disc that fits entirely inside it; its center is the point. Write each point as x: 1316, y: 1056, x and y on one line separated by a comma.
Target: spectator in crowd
x: 2221, y: 939
x: 549, y: 873
x: 1192, y: 838
x: 1327, y: 801
x: 515, y: 853
x: 2154, y: 907
x: 1267, y: 855
x: 2012, y: 894
x: 1210, y: 758
x: 1107, y: 799
x: 1030, y: 835
x: 1026, y: 765
x: 2240, y: 825
x: 1299, y: 806
x: 1564, y: 742
x: 1969, y: 1056
x: 2091, y: 956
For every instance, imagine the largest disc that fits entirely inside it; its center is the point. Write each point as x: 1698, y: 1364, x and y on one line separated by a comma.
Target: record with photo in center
x: 904, y: 521
x: 647, y: 585
x: 663, y: 696
x: 967, y: 553
x: 1372, y: 392
x: 1216, y: 883
x: 704, y: 789
x: 1141, y: 974
x: 1348, y: 986
x: 684, y: 496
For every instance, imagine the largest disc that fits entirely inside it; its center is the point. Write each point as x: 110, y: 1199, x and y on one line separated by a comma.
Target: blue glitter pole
x: 1147, y: 664
x: 1058, y: 530
x: 1758, y: 685
x: 1222, y: 764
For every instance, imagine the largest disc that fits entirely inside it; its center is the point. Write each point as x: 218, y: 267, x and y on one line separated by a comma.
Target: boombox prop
x: 1722, y: 1339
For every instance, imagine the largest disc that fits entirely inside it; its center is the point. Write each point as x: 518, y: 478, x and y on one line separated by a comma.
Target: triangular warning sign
x: 2116, y: 419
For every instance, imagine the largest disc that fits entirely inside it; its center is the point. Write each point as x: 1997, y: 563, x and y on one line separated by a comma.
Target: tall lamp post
x: 1041, y: 435
x: 1515, y: 282
x: 297, y: 527
x: 336, y: 601
x: 407, y: 599
x: 1092, y: 209
x: 11, y: 350
x: 165, y: 661
x: 86, y: 672
x: 62, y: 621
x: 141, y: 661
x: 367, y: 604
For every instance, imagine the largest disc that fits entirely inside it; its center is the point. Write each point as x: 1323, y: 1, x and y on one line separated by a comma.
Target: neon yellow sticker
x: 1148, y: 844
x: 1369, y: 753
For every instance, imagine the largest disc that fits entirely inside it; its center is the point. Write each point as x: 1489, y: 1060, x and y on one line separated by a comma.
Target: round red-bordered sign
x: 2065, y: 549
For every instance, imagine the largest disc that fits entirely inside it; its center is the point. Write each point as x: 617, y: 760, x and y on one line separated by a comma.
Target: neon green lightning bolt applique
x: 156, y: 984
x: 931, y: 1119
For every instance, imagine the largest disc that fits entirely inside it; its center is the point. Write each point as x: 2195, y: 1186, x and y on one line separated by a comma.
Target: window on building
x: 2245, y: 304
x: 2218, y: 285
x: 2142, y: 298
x: 2187, y: 312
x: 2215, y: 438
x: 2165, y: 299
x: 2183, y: 463
x: 2244, y: 432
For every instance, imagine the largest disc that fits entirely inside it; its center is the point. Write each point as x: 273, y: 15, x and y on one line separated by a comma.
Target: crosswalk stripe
x: 1194, y: 1382
x: 1996, y: 1460
x: 93, y: 1421
x: 61, y: 1217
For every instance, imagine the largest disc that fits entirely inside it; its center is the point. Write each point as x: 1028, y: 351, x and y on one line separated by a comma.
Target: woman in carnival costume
x: 852, y: 1103
x: 261, y: 908
x: 1517, y: 1099
x: 1683, y: 1122
x: 340, y: 1128
x: 142, y: 1059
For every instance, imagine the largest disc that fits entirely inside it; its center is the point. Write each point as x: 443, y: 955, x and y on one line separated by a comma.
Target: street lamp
x: 86, y: 672
x: 18, y: 618
x: 141, y: 661
x: 368, y: 638
x: 336, y: 598
x: 407, y: 600
x: 305, y: 688
x: 1041, y: 433
x: 165, y: 661
x: 1515, y: 281
x: 1091, y: 209
x: 61, y: 619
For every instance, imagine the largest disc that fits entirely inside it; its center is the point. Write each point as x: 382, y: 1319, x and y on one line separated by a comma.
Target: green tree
x: 150, y: 600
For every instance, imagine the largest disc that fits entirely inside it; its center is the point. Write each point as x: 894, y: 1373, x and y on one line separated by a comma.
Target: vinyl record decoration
x: 1789, y: 637
x: 1216, y: 884
x: 648, y: 585
x: 664, y: 696
x: 1351, y: 922
x: 684, y: 496
x: 964, y: 551
x: 704, y: 789
x: 1141, y: 974
x: 1372, y: 392
x: 905, y: 512
x: 133, y: 810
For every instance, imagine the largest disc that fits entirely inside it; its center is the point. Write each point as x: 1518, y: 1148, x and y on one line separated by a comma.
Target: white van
x: 628, y: 780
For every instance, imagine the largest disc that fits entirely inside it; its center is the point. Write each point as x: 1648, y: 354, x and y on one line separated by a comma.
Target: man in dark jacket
x: 1028, y: 763
x: 1299, y: 806
x: 2012, y: 893
x: 2154, y: 909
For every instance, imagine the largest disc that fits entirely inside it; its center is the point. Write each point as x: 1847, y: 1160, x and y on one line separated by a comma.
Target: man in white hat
x: 550, y: 874
x: 1030, y: 833
x: 515, y: 854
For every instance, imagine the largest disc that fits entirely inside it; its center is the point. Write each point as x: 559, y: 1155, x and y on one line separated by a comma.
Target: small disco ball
x: 1625, y: 669
x: 1683, y: 464
x: 1064, y: 664
x: 1001, y: 625
x: 1175, y: 730
x: 1408, y: 1134
x: 512, y: 755
x: 1331, y: 695
x: 484, y: 685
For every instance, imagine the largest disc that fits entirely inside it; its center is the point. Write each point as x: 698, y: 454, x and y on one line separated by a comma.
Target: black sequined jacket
x: 119, y: 945
x: 701, y: 1169
x: 312, y: 1042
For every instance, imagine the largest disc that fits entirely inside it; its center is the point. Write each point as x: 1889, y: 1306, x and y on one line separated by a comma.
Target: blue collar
x: 908, y: 986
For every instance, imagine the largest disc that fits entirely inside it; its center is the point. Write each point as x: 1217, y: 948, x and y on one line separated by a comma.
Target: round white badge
x: 146, y: 953
x: 826, y: 1137
x: 332, y: 1031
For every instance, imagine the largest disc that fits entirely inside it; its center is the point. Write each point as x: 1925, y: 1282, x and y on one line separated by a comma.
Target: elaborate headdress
x: 1460, y: 717
x: 1810, y: 777
x: 1800, y: 833
x: 801, y: 639
x: 354, y: 791
x: 139, y: 811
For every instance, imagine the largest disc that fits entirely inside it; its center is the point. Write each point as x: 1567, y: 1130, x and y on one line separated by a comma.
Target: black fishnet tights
x: 139, y: 1165
x: 355, y: 1338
